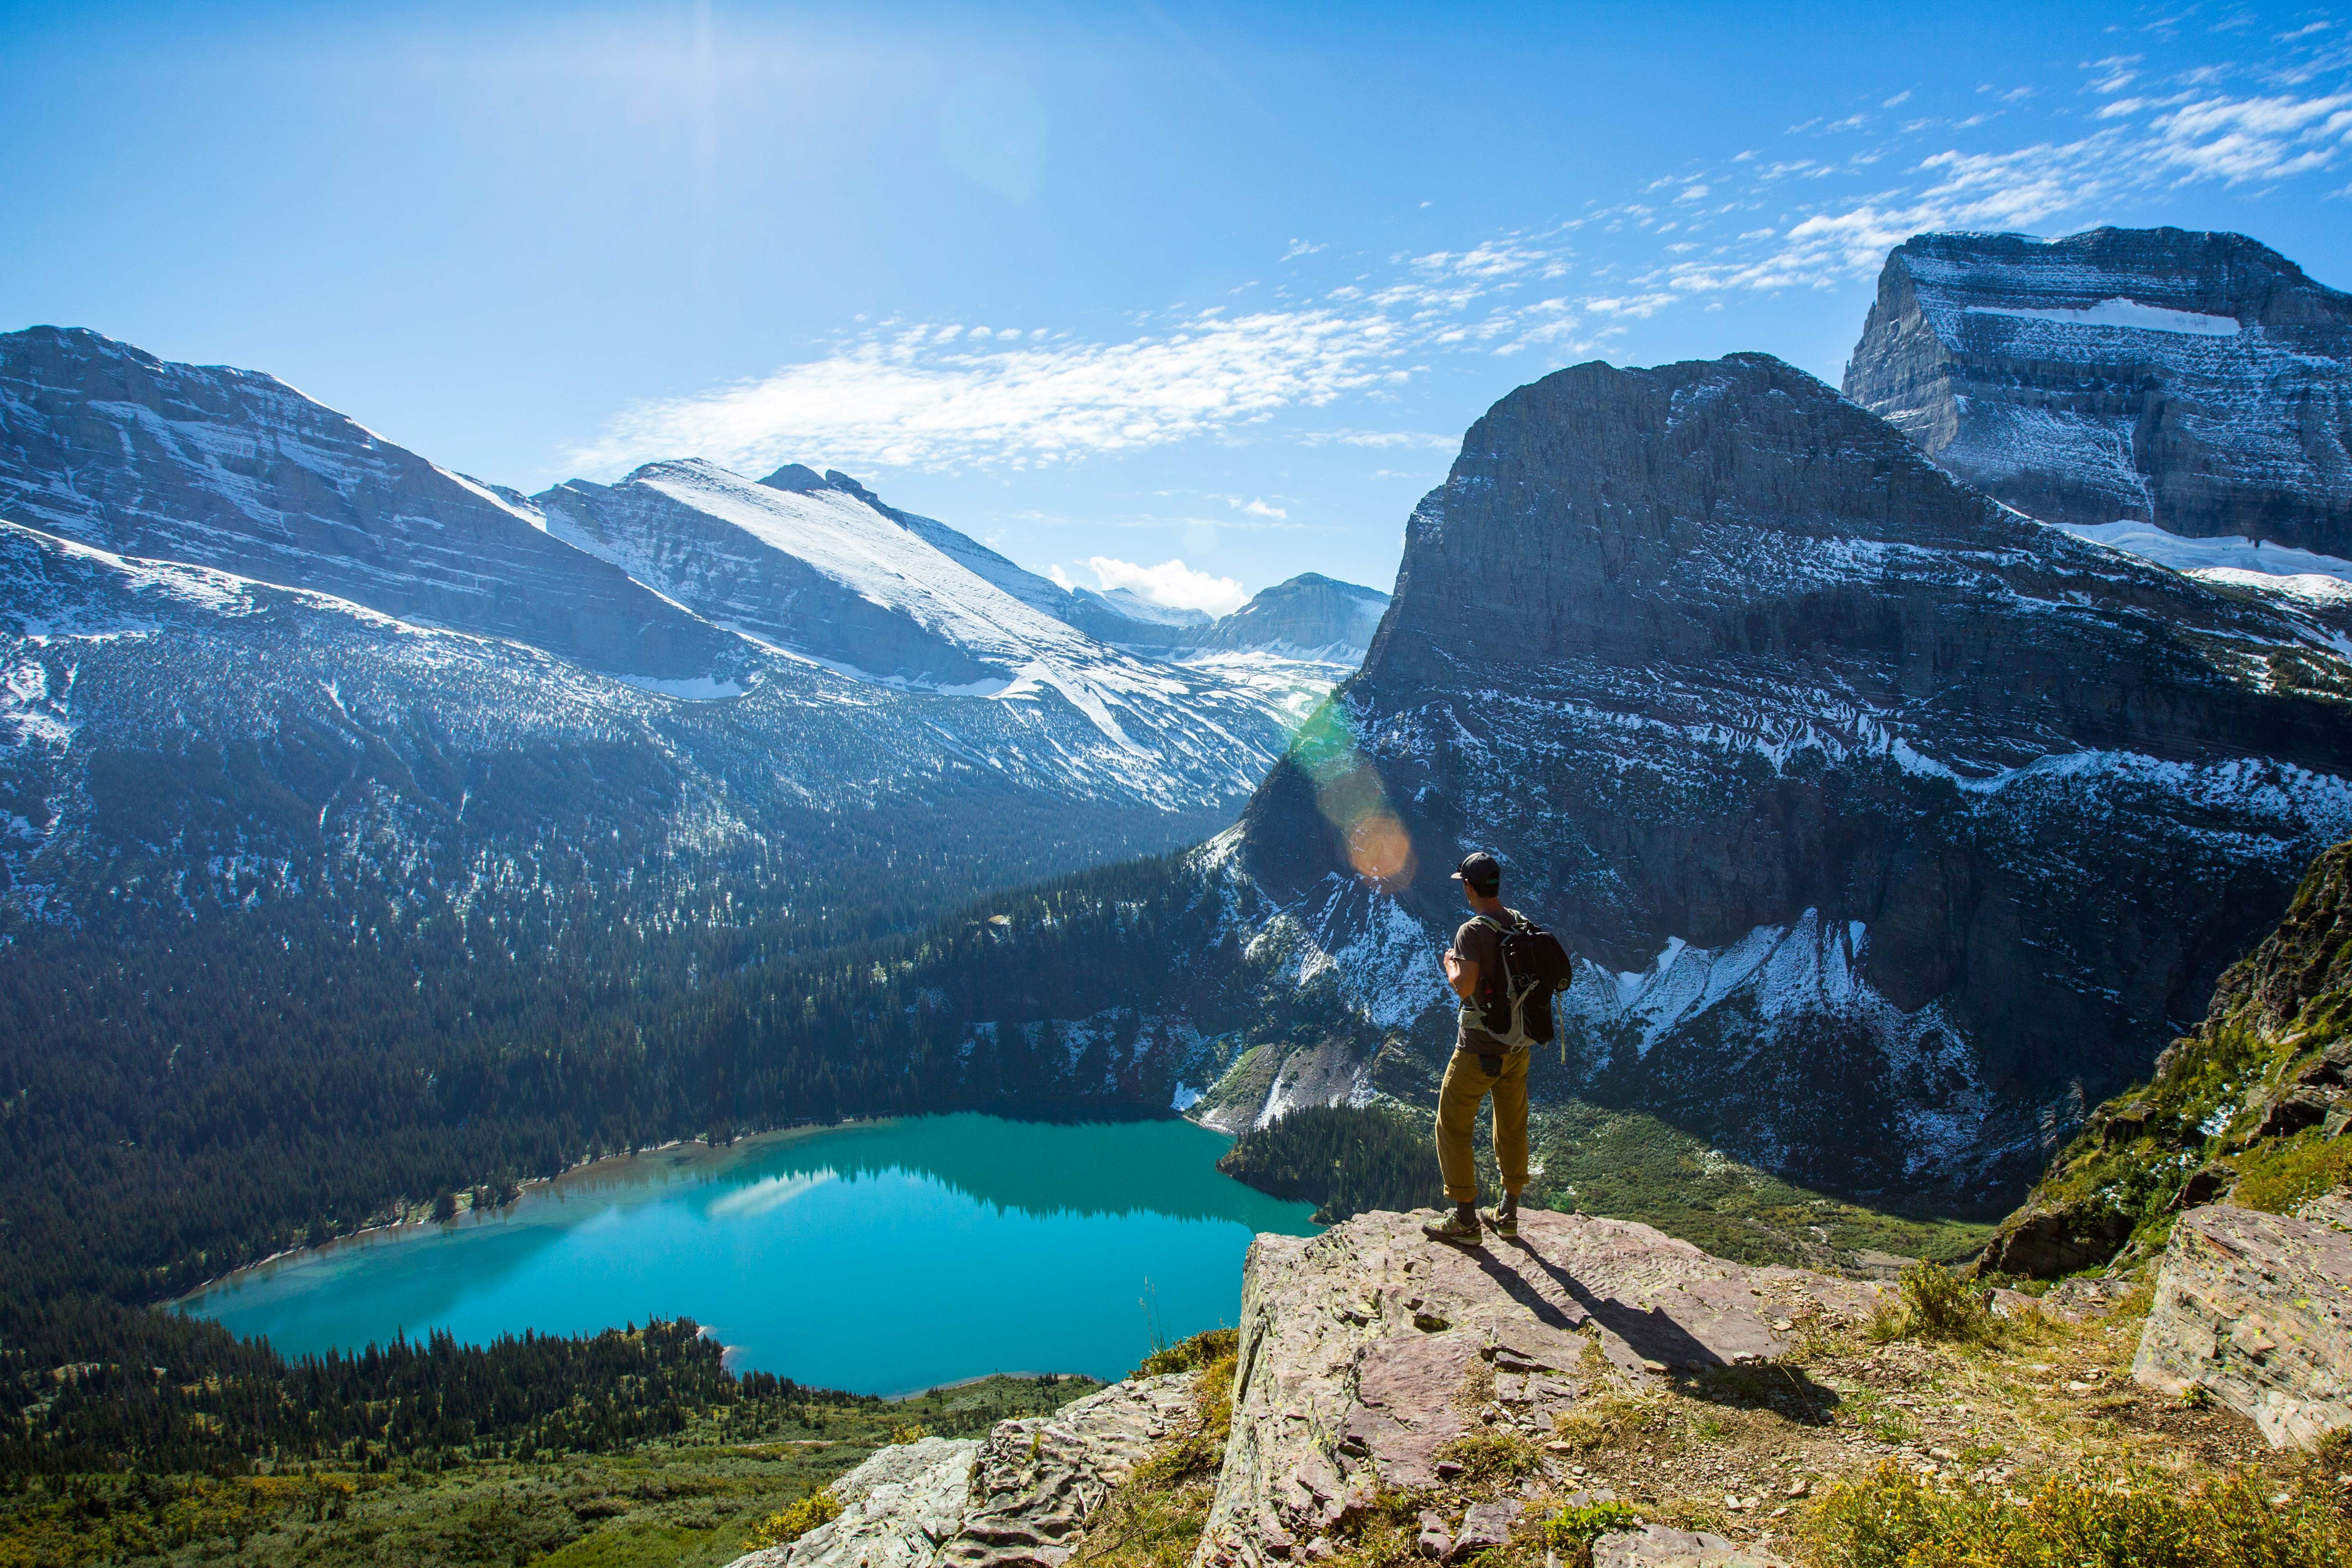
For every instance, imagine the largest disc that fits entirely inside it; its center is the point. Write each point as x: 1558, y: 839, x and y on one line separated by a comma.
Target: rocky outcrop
x: 2257, y: 1310
x: 2043, y: 1242
x: 1368, y: 1352
x: 1895, y: 827
x: 2198, y: 382
x: 231, y: 468
x: 898, y: 1508
x: 1017, y: 1499
x: 1038, y: 1478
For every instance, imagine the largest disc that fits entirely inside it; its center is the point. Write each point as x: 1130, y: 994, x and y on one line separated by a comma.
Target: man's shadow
x: 1655, y: 1335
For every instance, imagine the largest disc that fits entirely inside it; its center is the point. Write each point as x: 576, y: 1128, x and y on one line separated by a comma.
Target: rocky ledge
x: 1368, y: 1352
x: 1016, y: 1498
x: 2257, y: 1310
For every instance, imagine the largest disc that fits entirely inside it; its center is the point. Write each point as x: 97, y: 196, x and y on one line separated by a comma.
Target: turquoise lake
x: 884, y: 1257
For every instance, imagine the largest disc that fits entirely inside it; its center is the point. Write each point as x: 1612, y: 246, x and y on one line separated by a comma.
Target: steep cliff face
x: 231, y: 468
x: 1896, y: 827
x: 2198, y: 382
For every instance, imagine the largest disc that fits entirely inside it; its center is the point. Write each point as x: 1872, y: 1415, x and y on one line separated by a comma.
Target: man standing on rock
x: 1486, y: 1062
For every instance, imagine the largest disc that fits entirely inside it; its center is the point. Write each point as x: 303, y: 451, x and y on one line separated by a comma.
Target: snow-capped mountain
x: 210, y: 564
x: 1308, y: 616
x: 182, y: 739
x: 1893, y: 826
x: 1120, y: 617
x: 2198, y: 383
x: 232, y: 468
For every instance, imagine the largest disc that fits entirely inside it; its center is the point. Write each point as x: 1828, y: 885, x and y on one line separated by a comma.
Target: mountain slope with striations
x: 231, y: 468
x: 2200, y: 383
x: 1896, y: 828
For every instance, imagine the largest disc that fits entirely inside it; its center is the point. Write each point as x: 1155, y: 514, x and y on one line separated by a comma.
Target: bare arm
x: 1462, y: 973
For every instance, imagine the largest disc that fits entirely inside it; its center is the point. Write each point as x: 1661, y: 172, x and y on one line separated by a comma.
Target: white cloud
x: 2255, y: 138
x: 1258, y: 508
x: 899, y: 394
x: 1172, y: 582
x: 900, y: 399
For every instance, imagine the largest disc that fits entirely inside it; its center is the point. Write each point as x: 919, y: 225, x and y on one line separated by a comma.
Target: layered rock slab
x: 2256, y: 1309
x: 1367, y: 1350
x: 1016, y: 1499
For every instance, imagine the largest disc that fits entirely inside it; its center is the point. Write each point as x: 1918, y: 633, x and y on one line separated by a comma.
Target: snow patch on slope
x: 2121, y: 312
x: 2233, y: 553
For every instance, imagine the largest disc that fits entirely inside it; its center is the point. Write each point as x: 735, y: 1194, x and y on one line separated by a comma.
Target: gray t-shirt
x: 1481, y: 945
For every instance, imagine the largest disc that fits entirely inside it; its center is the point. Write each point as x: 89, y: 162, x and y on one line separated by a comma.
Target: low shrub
x: 1942, y: 1306
x: 1487, y: 1457
x: 788, y: 1524
x: 1571, y: 1531
x: 1600, y: 1424
x: 2140, y: 1518
x: 1189, y: 1355
x: 1936, y: 1304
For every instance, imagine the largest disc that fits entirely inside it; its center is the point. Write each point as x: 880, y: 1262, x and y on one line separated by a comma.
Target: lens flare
x: 1350, y: 796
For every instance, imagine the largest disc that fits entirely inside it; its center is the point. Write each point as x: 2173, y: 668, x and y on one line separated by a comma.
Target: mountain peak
x: 2196, y: 380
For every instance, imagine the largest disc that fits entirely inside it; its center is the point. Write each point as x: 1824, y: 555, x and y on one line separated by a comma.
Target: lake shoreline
x: 890, y: 1256
x: 540, y: 1187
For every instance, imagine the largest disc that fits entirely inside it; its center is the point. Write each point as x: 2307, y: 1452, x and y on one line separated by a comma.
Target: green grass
x: 687, y: 1504
x: 1892, y: 1519
x: 2279, y: 1176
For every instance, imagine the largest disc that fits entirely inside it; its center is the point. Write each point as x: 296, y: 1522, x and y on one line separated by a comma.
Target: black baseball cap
x: 1480, y: 872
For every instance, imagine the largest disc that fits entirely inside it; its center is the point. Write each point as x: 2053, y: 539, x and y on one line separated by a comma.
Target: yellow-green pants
x: 1467, y: 1083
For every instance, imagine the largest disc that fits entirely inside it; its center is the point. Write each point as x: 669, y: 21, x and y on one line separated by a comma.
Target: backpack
x: 1535, y: 966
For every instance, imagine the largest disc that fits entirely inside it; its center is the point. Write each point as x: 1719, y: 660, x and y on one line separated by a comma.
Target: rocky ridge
x: 215, y: 466
x: 255, y: 654
x: 2200, y: 383
x: 1592, y: 1383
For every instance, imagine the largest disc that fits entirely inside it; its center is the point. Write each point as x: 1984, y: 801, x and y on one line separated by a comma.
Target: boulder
x: 2291, y: 1112
x: 2040, y: 1243
x: 1365, y: 1350
x: 2204, y: 1184
x: 1484, y: 1525
x: 2125, y: 1124
x: 2256, y: 1309
x: 1661, y: 1546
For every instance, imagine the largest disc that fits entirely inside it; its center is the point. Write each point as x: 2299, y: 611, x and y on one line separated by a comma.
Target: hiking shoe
x: 1452, y: 1230
x: 1507, y: 1226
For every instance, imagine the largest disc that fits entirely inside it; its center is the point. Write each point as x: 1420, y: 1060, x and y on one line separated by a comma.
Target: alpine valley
x: 1904, y: 766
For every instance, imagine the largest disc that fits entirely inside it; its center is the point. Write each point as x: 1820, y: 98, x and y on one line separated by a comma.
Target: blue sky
x: 1111, y: 287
